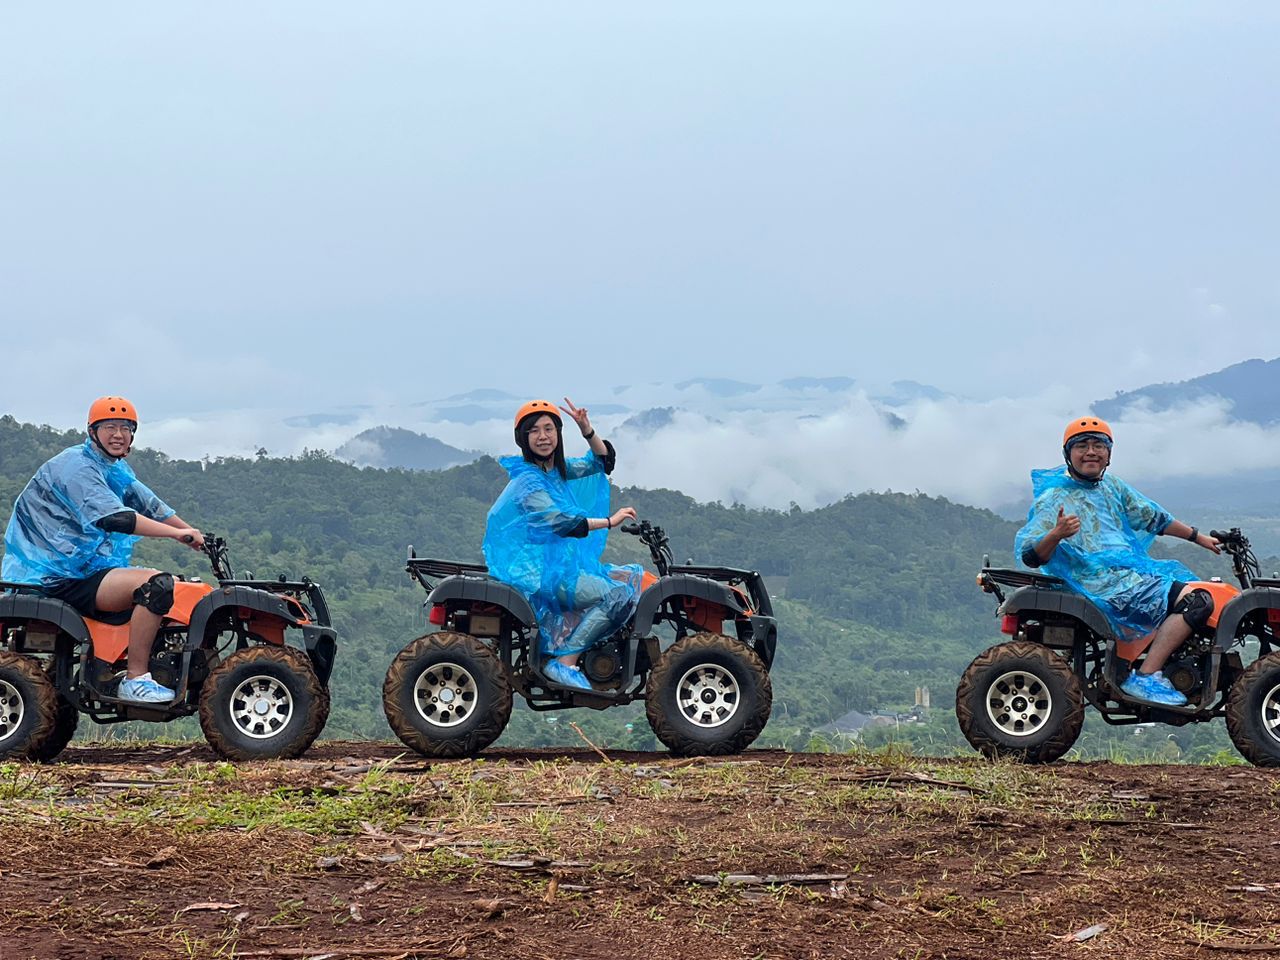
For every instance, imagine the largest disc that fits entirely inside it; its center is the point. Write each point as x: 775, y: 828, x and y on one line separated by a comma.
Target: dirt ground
x: 362, y: 850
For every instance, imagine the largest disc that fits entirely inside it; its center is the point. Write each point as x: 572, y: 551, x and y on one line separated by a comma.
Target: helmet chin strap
x: 93, y: 435
x: 1066, y: 455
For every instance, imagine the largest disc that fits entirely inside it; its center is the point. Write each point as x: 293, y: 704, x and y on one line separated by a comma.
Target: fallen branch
x: 587, y: 741
x: 765, y: 880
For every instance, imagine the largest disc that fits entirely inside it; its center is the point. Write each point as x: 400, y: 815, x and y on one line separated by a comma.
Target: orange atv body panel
x: 1222, y: 593
x: 111, y: 641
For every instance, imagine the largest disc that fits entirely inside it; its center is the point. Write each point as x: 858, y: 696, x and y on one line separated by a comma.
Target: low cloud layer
x: 975, y: 452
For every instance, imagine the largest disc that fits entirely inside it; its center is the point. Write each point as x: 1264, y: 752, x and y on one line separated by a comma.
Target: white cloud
x: 976, y: 452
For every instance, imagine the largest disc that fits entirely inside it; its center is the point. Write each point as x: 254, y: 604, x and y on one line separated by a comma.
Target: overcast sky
x: 301, y: 205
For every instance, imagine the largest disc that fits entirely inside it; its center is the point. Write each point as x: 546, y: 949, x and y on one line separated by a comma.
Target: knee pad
x: 1196, y: 608
x: 156, y: 594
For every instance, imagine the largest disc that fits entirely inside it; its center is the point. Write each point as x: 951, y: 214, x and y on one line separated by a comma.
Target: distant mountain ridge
x: 396, y: 447
x: 1252, y: 387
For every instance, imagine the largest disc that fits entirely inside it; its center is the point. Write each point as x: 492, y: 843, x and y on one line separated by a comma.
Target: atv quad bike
x: 1025, y: 698
x: 223, y: 649
x: 449, y: 693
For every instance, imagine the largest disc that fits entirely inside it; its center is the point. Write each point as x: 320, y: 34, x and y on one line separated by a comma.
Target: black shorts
x: 81, y: 594
x: 1177, y: 588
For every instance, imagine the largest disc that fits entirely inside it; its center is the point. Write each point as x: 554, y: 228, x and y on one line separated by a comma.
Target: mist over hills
x: 1250, y: 389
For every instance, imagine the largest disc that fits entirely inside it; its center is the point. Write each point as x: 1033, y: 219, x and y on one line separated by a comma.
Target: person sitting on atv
x: 1093, y: 531
x: 72, y: 534
x: 546, y: 532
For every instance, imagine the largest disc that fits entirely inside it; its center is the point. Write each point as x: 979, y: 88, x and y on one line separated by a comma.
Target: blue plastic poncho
x: 1107, y: 560
x: 52, y: 534
x: 528, y: 543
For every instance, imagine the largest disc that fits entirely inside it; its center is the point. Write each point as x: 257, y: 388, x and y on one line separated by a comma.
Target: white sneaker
x: 143, y: 689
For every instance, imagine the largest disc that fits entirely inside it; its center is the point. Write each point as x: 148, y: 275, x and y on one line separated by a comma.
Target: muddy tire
x: 708, y: 695
x: 28, y: 706
x: 447, y: 695
x: 262, y: 703
x: 1020, y: 701
x: 65, y: 720
x: 1253, y: 712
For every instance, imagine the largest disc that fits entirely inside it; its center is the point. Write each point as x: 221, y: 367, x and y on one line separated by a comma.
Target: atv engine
x: 1184, y: 674
x: 603, y: 663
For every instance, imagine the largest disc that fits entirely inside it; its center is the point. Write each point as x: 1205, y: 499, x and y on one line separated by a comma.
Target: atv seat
x: 115, y: 618
x: 10, y: 587
x: 1011, y: 577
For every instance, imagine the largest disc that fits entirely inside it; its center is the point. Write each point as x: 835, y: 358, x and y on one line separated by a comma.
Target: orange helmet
x: 112, y: 408
x: 539, y: 406
x: 1086, y: 425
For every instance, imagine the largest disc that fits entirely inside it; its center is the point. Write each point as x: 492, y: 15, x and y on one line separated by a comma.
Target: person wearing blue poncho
x: 72, y: 534
x: 1093, y: 531
x: 546, y: 532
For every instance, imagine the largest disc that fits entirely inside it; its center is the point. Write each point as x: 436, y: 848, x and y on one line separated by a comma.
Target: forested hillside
x: 876, y: 593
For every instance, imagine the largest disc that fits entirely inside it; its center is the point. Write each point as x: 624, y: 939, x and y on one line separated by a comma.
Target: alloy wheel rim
x: 708, y: 695
x: 1019, y: 703
x: 12, y: 709
x: 445, y: 694
x: 261, y: 707
x: 1269, y: 712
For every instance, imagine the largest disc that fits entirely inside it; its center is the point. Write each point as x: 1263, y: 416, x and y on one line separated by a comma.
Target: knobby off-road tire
x: 447, y: 695
x: 263, y: 702
x: 1021, y: 701
x: 28, y: 706
x: 708, y: 695
x: 65, y: 719
x: 1253, y: 712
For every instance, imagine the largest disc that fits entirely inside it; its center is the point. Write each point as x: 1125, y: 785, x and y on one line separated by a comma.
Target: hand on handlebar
x: 620, y: 516
x: 1209, y: 541
x: 192, y: 537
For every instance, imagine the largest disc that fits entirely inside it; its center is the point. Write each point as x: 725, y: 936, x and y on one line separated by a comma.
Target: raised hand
x: 579, y: 415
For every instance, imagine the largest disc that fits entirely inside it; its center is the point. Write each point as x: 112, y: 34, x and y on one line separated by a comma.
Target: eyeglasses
x: 115, y: 426
x: 1092, y: 446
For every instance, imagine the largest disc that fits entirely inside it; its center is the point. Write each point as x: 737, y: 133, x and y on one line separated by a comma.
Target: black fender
x: 234, y: 596
x: 31, y: 606
x: 681, y: 585
x: 319, y: 640
x: 1040, y: 600
x: 479, y: 590
x: 1239, y: 607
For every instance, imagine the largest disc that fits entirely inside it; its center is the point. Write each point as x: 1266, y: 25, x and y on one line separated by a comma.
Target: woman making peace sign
x: 546, y: 532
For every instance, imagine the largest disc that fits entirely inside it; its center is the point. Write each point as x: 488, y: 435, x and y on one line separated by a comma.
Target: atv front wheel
x: 447, y: 695
x: 708, y: 695
x: 28, y: 706
x: 1253, y: 712
x: 262, y: 703
x: 1019, y: 700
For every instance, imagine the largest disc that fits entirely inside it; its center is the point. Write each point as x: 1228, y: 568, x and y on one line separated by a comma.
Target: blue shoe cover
x: 567, y: 675
x: 1153, y: 688
x: 144, y: 690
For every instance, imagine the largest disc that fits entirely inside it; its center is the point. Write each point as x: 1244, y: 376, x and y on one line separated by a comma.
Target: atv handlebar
x: 655, y: 539
x: 215, y: 548
x: 1243, y: 562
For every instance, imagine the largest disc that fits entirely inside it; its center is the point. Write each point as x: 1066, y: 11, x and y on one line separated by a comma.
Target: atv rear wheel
x: 262, y: 703
x: 1253, y: 712
x: 1022, y: 701
x: 447, y: 695
x: 28, y: 706
x: 708, y: 695
x: 65, y: 719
